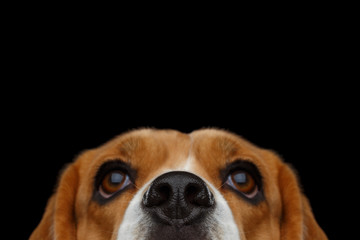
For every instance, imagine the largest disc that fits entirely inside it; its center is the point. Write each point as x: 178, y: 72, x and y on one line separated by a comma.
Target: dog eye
x: 113, y: 182
x: 243, y: 182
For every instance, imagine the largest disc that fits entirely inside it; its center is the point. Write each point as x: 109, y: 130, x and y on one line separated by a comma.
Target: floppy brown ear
x: 59, y: 221
x: 297, y: 221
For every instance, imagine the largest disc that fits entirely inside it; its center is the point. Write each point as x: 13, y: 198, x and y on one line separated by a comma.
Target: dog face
x: 162, y: 184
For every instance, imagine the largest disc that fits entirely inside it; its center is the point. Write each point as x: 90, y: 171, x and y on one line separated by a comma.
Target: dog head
x: 162, y: 184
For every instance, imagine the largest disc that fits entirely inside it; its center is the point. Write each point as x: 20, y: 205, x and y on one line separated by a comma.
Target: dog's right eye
x: 113, y: 182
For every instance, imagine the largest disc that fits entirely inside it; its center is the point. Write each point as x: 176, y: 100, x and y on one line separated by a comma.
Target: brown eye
x: 113, y: 182
x: 243, y: 182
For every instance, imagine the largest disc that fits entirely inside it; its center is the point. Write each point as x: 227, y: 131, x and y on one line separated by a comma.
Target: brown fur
x: 72, y: 214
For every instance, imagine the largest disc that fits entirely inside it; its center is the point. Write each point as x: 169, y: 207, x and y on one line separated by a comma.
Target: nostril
x: 156, y: 196
x: 164, y: 193
x: 178, y: 198
x: 199, y: 195
x: 191, y: 193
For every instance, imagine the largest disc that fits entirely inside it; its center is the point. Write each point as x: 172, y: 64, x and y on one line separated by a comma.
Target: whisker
x: 136, y: 186
x: 221, y: 186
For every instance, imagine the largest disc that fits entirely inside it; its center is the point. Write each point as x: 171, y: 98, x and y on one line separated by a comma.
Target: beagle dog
x: 153, y: 184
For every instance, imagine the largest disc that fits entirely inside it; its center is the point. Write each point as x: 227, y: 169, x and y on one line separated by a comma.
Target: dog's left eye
x: 243, y: 182
x: 113, y: 182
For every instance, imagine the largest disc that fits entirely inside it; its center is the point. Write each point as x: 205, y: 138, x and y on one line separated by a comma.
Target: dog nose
x: 178, y: 198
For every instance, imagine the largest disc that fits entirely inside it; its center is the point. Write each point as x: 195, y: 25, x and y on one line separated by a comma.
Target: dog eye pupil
x: 243, y: 182
x: 113, y: 182
x: 116, y: 178
x: 240, y: 178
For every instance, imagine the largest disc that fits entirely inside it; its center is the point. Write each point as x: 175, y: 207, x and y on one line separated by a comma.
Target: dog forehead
x: 153, y: 141
x: 146, y: 146
x: 224, y: 142
x: 156, y: 150
x: 170, y: 143
x: 170, y: 138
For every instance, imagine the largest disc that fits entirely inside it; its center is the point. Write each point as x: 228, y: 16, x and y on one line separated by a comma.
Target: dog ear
x: 59, y: 220
x: 297, y: 221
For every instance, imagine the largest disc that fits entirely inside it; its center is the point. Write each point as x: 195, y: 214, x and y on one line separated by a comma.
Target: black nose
x: 178, y: 198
